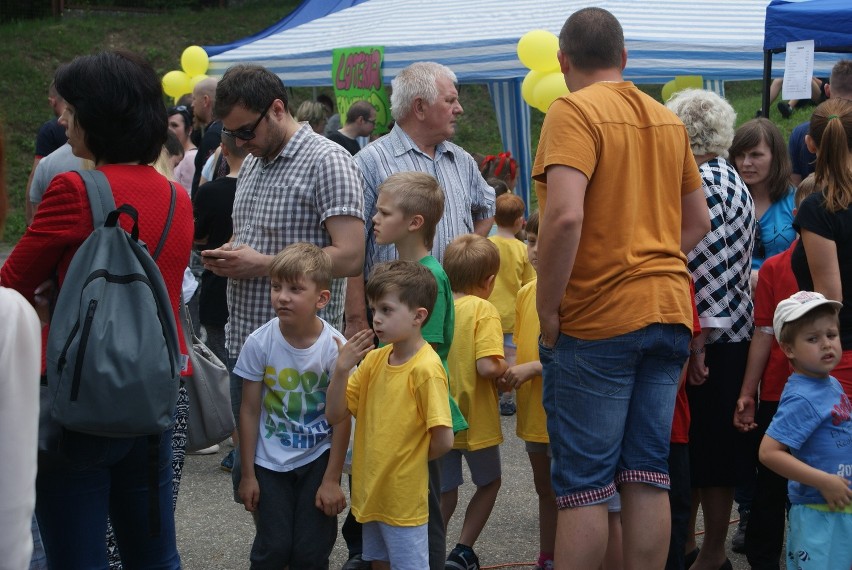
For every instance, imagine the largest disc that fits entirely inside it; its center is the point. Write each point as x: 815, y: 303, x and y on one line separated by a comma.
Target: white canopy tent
x: 477, y: 39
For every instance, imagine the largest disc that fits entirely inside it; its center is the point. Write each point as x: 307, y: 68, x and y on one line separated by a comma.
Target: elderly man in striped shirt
x: 425, y: 105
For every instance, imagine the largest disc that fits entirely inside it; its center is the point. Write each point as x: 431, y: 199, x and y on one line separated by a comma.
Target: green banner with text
x: 356, y: 74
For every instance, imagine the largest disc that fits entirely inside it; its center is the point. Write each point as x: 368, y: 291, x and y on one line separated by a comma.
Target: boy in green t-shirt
x: 408, y: 209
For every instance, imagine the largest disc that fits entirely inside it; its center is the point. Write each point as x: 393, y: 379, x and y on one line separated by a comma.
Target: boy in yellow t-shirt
x: 476, y: 362
x: 399, y: 396
x: 525, y: 377
x: 515, y: 272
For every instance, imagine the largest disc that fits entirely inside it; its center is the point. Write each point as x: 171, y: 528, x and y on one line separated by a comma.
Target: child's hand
x: 836, y: 491
x: 330, y: 498
x: 744, y: 414
x: 502, y: 384
x: 249, y: 493
x: 351, y: 353
x: 520, y: 373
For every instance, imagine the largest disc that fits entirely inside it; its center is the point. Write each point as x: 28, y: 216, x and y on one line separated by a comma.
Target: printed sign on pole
x: 357, y: 75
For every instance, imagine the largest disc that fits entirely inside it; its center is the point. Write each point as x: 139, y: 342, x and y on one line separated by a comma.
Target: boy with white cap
x: 813, y: 423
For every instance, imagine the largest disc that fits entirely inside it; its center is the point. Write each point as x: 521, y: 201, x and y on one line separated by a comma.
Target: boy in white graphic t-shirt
x: 290, y: 463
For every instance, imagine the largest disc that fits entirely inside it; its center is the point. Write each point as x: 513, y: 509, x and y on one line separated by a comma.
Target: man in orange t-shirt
x: 621, y: 200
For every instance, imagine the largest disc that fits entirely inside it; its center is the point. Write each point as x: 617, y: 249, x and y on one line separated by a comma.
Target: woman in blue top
x: 760, y: 156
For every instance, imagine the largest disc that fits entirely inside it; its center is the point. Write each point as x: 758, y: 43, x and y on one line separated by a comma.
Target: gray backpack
x: 113, y: 355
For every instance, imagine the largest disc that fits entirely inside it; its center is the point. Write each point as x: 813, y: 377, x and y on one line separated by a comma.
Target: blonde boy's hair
x: 417, y: 194
x: 412, y: 281
x: 302, y: 261
x: 509, y: 208
x: 469, y: 261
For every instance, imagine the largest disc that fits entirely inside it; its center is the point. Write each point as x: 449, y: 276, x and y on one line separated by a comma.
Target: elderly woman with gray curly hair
x: 720, y: 457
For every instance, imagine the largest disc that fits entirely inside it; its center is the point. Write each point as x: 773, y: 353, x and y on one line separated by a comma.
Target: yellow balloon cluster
x: 544, y: 83
x: 194, y: 62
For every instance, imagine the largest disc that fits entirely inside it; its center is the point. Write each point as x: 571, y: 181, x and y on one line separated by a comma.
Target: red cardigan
x: 64, y: 220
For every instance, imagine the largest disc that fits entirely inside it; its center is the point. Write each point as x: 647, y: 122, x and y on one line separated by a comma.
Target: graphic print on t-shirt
x: 295, y: 407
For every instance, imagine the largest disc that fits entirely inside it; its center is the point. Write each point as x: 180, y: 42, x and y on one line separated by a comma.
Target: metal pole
x: 767, y: 78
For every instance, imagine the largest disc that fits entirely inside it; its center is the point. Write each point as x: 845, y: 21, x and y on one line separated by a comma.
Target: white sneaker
x: 206, y: 451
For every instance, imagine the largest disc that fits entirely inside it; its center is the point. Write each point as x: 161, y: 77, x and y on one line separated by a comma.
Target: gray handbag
x: 209, y: 392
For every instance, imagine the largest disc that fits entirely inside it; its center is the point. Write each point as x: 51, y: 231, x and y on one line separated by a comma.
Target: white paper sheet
x: 798, y: 70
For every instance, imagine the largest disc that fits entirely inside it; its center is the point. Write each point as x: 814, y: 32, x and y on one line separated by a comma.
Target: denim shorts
x: 609, y: 406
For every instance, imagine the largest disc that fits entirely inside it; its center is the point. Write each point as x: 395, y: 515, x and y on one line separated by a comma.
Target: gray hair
x: 417, y: 80
x: 709, y: 120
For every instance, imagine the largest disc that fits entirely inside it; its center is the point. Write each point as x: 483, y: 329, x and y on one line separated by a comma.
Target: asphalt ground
x: 214, y: 532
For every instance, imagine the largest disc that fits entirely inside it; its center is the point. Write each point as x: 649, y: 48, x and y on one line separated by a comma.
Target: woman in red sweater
x: 115, y: 117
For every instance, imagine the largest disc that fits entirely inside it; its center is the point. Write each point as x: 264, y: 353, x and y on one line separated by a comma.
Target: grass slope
x: 30, y: 51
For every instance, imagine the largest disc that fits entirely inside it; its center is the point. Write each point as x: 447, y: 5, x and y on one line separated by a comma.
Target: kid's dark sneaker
x: 227, y: 463
x: 738, y: 540
x: 462, y: 558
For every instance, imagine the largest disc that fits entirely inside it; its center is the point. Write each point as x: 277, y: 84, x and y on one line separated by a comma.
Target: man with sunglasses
x: 295, y: 186
x: 360, y: 122
x: 203, y: 100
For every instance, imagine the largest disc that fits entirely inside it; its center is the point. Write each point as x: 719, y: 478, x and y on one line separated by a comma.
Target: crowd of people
x: 673, y: 327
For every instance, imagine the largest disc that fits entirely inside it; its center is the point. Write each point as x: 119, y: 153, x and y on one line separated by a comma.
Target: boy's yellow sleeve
x: 353, y: 387
x: 488, y: 336
x: 433, y: 401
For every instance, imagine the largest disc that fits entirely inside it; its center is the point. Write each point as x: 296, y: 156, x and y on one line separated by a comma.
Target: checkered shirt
x: 721, y: 263
x: 286, y: 201
x: 468, y: 197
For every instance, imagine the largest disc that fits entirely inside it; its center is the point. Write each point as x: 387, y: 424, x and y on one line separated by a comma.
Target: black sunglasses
x: 247, y: 134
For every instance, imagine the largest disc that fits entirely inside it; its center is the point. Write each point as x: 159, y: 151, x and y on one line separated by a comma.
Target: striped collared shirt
x: 468, y: 198
x: 285, y: 201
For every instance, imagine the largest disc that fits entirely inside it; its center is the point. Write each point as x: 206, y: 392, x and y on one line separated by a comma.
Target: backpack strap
x: 168, y: 226
x: 101, y: 200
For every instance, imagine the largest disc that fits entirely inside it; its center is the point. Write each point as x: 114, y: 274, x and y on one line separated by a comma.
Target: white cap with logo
x: 797, y: 306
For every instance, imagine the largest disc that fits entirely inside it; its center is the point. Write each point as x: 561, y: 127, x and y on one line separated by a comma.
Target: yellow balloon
x: 688, y: 82
x: 528, y: 86
x: 537, y: 50
x: 195, y: 80
x: 548, y: 89
x: 668, y: 90
x: 194, y: 61
x: 176, y: 83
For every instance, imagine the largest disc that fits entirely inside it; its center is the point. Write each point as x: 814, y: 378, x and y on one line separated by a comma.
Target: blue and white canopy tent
x: 477, y: 39
x: 827, y: 22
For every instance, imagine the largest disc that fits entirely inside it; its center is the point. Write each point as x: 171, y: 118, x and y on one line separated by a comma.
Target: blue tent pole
x: 513, y: 119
